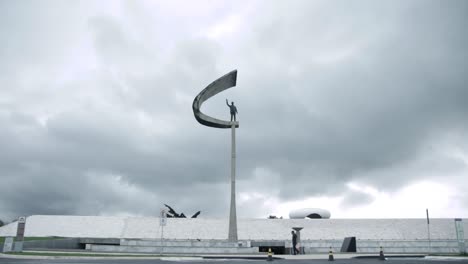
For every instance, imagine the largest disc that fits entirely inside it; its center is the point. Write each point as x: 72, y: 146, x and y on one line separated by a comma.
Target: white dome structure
x: 312, y: 213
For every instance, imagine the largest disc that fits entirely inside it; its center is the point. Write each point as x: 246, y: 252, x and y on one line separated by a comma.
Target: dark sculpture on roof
x: 196, y: 214
x: 173, y: 214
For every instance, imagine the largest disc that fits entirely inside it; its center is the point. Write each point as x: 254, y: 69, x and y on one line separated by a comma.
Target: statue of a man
x: 233, y: 110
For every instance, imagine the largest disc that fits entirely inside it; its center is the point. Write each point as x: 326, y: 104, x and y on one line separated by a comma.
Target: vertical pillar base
x: 232, y: 236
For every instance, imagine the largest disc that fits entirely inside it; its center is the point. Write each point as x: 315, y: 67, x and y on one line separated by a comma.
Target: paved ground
x: 140, y: 261
x: 229, y: 261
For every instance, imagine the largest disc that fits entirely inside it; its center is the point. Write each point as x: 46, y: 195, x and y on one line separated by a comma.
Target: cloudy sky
x: 359, y: 107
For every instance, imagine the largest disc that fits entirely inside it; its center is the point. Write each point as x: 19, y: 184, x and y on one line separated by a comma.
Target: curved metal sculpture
x: 225, y: 82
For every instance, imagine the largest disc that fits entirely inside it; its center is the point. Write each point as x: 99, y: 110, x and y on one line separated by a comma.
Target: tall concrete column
x: 232, y: 215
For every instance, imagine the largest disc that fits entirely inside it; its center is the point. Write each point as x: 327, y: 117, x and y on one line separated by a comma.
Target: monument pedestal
x: 232, y: 237
x: 224, y: 82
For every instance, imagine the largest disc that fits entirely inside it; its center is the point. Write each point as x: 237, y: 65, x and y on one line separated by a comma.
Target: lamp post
x: 428, y: 231
x: 298, y: 233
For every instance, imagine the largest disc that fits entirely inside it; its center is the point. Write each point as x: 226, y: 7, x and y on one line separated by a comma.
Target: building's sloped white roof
x: 253, y: 229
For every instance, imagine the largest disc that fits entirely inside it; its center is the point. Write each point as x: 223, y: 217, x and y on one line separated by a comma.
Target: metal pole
x: 428, y: 231
x: 162, y: 239
x: 162, y: 223
x: 460, y: 235
x: 232, y: 216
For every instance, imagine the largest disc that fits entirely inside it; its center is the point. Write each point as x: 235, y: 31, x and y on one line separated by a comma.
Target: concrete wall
x: 183, y: 243
x: 389, y: 246
x: 248, y: 229
x: 67, y: 243
x: 173, y: 249
x: 141, y: 234
x: 177, y: 246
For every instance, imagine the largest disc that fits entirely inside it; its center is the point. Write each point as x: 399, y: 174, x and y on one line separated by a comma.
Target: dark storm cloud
x: 328, y: 92
x: 354, y: 198
x: 403, y: 87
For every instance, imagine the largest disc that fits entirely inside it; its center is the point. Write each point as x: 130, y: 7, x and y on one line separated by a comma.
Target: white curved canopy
x: 313, y: 213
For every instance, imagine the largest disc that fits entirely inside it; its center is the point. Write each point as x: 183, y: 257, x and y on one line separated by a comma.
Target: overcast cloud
x: 359, y: 107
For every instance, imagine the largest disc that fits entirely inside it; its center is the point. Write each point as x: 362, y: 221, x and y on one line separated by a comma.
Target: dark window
x: 314, y: 216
